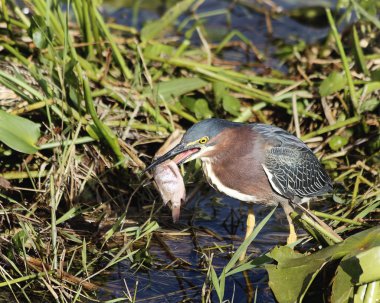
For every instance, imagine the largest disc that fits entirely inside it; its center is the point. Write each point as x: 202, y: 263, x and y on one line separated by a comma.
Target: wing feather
x: 291, y: 167
x: 295, y: 171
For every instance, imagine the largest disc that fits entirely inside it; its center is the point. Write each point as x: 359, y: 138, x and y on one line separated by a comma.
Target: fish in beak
x: 166, y: 173
x: 180, y: 153
x: 171, y: 186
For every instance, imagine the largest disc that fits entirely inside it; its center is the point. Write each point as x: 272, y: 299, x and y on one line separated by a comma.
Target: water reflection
x: 207, y: 222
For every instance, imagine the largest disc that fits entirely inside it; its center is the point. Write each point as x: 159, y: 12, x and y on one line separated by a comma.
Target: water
x: 168, y: 280
x: 212, y: 212
x: 243, y: 18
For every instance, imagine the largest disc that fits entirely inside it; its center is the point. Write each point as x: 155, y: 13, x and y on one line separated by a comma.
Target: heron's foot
x: 292, y: 238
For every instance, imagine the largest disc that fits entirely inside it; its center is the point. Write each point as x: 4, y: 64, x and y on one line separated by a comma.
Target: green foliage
x: 337, y: 142
x: 219, y: 283
x: 159, y: 27
x: 332, y: 84
x: 369, y: 105
x: 39, y: 32
x: 231, y: 105
x: 294, y: 272
x: 19, y: 133
x: 198, y: 106
x: 101, y: 128
x: 177, y: 87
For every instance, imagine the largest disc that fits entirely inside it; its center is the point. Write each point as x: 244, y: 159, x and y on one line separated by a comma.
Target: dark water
x: 243, y: 18
x: 226, y: 218
x: 221, y: 215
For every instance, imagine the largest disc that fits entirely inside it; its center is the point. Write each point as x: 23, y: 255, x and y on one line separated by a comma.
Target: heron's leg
x: 292, y: 232
x: 250, y: 226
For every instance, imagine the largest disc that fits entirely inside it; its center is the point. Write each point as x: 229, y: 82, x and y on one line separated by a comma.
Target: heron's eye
x: 203, y: 140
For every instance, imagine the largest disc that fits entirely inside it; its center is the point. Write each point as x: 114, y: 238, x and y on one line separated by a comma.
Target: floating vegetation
x: 86, y: 102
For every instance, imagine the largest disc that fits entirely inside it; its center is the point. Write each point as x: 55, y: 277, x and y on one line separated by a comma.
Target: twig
x: 295, y: 116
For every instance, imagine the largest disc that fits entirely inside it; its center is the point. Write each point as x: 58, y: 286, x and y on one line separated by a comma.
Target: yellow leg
x: 250, y: 227
x: 292, y: 232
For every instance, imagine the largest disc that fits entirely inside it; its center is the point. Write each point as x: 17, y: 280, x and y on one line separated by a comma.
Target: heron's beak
x: 180, y: 153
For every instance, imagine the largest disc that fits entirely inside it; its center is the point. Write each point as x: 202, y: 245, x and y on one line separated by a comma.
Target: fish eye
x: 203, y: 140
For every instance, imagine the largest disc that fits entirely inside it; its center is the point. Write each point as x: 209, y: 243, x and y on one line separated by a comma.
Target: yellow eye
x: 203, y: 140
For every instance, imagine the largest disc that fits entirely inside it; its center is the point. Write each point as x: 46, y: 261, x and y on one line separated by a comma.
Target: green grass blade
x: 105, y: 131
x: 159, y: 27
x: 243, y: 247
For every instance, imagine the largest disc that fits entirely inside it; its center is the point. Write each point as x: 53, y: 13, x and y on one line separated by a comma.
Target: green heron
x: 254, y: 163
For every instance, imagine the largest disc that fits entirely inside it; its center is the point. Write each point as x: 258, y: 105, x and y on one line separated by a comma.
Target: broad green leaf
x: 38, y: 31
x: 357, y: 268
x: 371, y: 87
x: 337, y: 142
x: 369, y: 105
x: 19, y: 133
x: 294, y: 281
x: 177, y: 87
x: 231, y: 105
x: 296, y: 278
x: 220, y: 91
x: 198, y: 106
x: 201, y: 109
x: 361, y: 267
x: 291, y: 277
x: 159, y: 27
x: 189, y: 103
x: 372, y: 292
x: 332, y: 84
x: 342, y: 288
